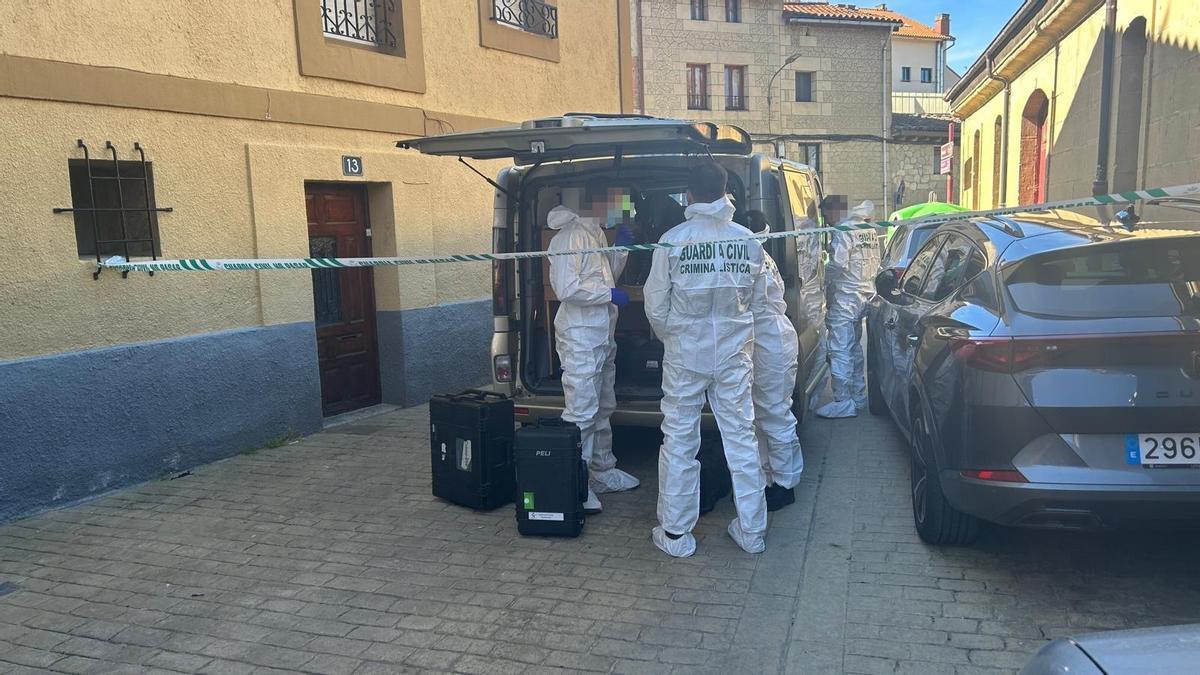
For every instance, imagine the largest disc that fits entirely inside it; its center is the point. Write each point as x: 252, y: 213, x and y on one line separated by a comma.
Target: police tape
x: 257, y: 264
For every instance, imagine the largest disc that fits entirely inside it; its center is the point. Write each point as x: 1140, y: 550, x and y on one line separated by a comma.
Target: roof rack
x: 1005, y: 225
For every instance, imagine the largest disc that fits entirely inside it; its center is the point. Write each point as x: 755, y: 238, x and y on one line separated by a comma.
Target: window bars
x: 532, y: 16
x: 107, y: 190
x: 367, y: 22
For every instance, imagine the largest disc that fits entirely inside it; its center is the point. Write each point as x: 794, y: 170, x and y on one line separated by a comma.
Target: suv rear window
x: 1149, y: 277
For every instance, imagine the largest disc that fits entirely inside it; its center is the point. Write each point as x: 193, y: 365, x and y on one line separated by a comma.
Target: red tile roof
x: 829, y: 11
x: 910, y: 28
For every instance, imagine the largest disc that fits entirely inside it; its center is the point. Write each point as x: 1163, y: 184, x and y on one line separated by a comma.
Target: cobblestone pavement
x: 330, y: 556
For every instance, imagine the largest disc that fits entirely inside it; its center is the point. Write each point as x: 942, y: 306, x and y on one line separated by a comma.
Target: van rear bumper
x: 530, y: 408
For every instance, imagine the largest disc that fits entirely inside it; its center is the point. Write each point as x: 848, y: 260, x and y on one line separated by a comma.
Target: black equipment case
x: 470, y: 442
x: 551, y: 479
x: 715, y: 481
x: 639, y: 360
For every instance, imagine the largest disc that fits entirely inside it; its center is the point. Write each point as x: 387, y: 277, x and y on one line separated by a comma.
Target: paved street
x: 329, y: 556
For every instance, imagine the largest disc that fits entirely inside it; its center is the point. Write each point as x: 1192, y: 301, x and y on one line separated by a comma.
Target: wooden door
x: 343, y: 299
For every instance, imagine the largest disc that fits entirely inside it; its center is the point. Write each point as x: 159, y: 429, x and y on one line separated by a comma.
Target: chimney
x: 942, y: 24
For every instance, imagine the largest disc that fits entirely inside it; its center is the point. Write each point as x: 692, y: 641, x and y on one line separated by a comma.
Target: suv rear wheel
x: 937, y: 521
x: 875, y: 401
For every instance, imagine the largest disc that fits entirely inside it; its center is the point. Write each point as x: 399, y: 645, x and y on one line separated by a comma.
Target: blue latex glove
x: 624, y: 236
x: 619, y: 297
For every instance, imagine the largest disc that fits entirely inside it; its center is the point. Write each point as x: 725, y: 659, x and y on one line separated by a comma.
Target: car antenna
x: 489, y: 180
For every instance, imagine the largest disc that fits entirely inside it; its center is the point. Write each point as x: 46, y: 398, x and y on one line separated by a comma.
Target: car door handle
x: 889, y: 324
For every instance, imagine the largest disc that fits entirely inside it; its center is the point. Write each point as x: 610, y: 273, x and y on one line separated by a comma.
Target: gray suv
x: 647, y: 159
x: 1046, y: 370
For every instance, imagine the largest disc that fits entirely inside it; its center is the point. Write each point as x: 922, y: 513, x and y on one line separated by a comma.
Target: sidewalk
x: 330, y: 556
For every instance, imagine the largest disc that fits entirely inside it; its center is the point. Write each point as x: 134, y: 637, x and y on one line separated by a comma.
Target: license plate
x: 1156, y: 450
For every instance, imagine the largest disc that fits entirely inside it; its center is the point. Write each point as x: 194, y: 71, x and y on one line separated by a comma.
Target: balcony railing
x: 532, y: 16
x: 735, y: 102
x: 697, y: 102
x: 367, y: 22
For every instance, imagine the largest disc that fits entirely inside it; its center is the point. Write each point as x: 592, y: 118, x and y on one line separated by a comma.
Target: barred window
x: 533, y: 16
x: 371, y: 23
x: 113, y: 205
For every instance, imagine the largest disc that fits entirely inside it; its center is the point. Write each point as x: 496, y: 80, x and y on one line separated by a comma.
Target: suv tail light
x: 1002, y: 355
x: 502, y: 368
x: 1013, y: 355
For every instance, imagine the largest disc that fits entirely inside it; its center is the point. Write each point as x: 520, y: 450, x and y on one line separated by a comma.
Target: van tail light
x: 501, y: 298
x: 502, y: 367
x: 1000, y: 476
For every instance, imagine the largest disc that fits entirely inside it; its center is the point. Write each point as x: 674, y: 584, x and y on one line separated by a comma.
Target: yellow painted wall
x: 1069, y: 74
x: 254, y: 43
x: 237, y: 186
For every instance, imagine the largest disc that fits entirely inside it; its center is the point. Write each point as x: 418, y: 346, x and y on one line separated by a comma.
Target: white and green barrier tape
x: 247, y: 264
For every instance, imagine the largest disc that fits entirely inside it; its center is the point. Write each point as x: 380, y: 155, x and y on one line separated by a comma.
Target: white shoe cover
x: 837, y: 409
x: 592, y: 505
x: 613, y: 480
x: 677, y: 548
x: 750, y: 543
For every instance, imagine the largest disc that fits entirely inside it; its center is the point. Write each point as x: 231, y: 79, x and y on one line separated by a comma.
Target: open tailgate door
x: 587, y: 136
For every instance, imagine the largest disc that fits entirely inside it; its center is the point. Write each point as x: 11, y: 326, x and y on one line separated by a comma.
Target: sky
x: 973, y: 22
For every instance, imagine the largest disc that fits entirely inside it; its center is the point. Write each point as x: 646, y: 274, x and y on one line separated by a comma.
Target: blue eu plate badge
x: 1132, y: 454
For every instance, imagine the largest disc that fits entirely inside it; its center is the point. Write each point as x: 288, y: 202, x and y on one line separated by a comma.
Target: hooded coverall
x: 583, y: 330
x: 849, y: 285
x: 776, y: 354
x: 700, y: 300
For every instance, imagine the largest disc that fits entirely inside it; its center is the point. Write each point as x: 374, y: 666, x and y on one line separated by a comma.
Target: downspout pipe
x: 991, y: 66
x: 886, y: 118
x: 1100, y: 184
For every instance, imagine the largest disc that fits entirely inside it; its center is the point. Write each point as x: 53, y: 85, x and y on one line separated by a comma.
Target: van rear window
x: 1133, y: 278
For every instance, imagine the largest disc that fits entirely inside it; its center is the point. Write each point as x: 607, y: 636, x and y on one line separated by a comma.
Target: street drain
x: 7, y: 587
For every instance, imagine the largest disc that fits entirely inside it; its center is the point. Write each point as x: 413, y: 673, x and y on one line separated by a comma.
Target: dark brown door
x: 344, y: 299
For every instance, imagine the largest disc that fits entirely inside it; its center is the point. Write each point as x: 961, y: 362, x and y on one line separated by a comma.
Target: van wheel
x: 875, y: 401
x: 936, y: 520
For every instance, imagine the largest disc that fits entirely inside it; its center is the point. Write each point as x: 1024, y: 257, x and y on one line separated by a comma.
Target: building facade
x: 265, y: 129
x: 811, y: 82
x: 1082, y: 96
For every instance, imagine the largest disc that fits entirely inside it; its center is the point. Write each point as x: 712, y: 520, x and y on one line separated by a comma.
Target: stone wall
x: 850, y: 67
x: 914, y: 164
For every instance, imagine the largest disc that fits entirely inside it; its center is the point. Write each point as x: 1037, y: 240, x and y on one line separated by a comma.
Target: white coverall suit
x: 776, y: 354
x: 700, y: 300
x: 849, y: 285
x: 583, y: 330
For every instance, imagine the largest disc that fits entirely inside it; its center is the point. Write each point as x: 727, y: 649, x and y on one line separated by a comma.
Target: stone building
x: 811, y: 82
x: 268, y: 129
x: 1080, y: 96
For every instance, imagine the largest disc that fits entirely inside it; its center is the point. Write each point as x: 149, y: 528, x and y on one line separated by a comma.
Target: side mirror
x: 887, y: 285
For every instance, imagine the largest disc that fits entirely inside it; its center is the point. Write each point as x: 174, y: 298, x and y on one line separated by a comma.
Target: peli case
x: 470, y: 442
x: 551, y: 479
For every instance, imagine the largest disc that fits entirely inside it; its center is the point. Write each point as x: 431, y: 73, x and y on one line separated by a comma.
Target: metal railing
x: 697, y: 102
x: 916, y: 103
x: 532, y: 16
x: 735, y: 102
x: 363, y: 21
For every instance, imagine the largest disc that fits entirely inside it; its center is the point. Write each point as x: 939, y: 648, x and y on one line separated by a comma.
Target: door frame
x: 371, y: 316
